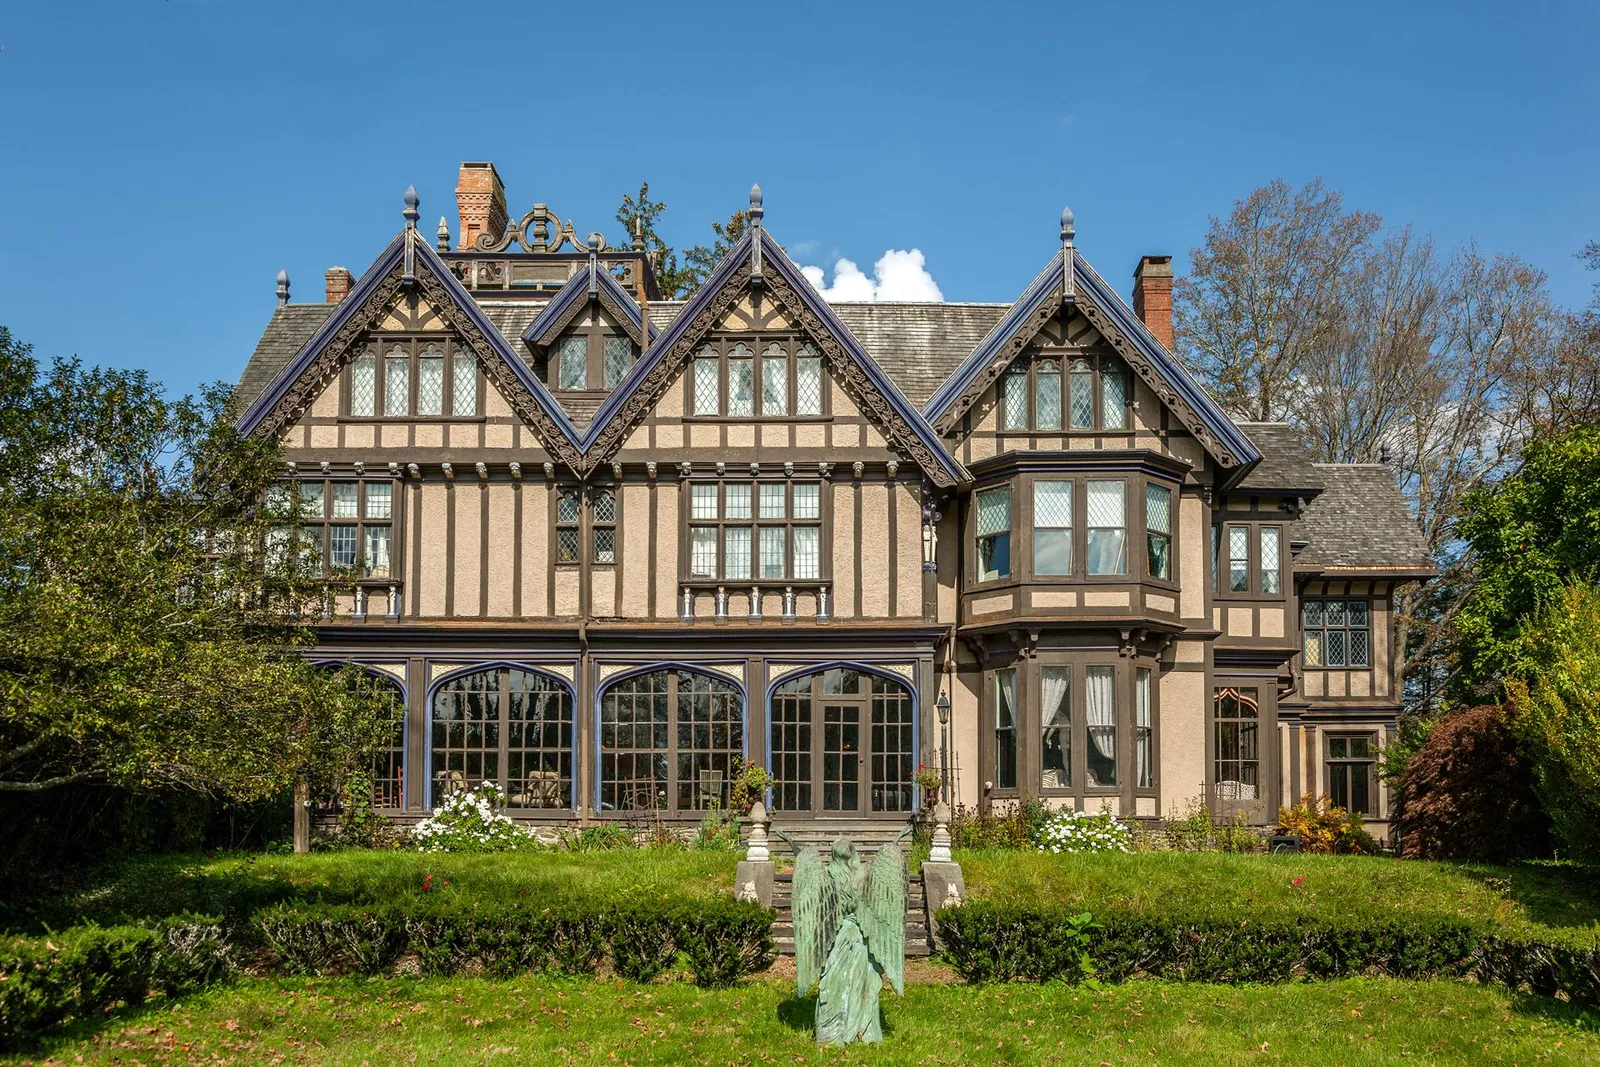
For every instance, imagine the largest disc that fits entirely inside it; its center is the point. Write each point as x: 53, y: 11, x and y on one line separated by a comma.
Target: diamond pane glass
x: 375, y: 553
x: 568, y: 507
x: 772, y: 544
x: 566, y: 546
x: 805, y: 552
x: 1359, y: 651
x: 379, y: 500
x: 807, y: 384
x: 619, y: 357
x: 1105, y: 504
x: 774, y: 385
x: 741, y: 392
x: 605, y: 545
x: 1082, y: 399
x: 1311, y: 613
x: 1158, y: 508
x: 707, y: 390
x: 1270, y: 571
x: 807, y: 500
x: 736, y: 552
x: 605, y: 507
x: 430, y: 382
x: 464, y: 397
x: 702, y: 552
x: 772, y: 501
x: 702, y: 501
x: 1014, y: 387
x: 994, y: 511
x: 1114, y: 397
x: 1334, y: 611
x: 736, y: 501
x: 1052, y: 504
x: 344, y: 500
x: 1313, y: 648
x: 1335, y: 647
x: 397, y: 385
x: 363, y: 385
x: 573, y: 363
x: 1356, y: 610
x: 1047, y: 396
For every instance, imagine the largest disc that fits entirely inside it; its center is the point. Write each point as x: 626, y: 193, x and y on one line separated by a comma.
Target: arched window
x: 506, y: 726
x: 388, y: 766
x: 843, y: 741
x: 669, y: 741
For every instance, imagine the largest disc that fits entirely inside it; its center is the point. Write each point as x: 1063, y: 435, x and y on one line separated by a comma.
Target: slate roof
x: 1361, y: 522
x: 290, y: 327
x: 1286, y: 463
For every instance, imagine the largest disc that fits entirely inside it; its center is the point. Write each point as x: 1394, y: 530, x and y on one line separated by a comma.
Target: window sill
x: 761, y: 583
x: 744, y: 420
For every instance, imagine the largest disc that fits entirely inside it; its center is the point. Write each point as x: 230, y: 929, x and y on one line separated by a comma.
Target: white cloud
x: 898, y: 275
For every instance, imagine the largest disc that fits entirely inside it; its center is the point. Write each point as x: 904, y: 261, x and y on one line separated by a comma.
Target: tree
x: 701, y: 261
x: 639, y: 216
x: 1557, y: 714
x: 147, y: 633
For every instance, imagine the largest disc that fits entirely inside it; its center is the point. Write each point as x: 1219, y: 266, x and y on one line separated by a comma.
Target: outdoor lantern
x: 943, y: 707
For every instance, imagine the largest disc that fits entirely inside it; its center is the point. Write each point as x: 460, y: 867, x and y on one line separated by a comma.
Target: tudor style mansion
x: 610, y: 546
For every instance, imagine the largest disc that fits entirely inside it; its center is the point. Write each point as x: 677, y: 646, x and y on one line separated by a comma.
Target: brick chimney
x: 1152, y: 296
x: 481, y: 199
x: 339, y: 282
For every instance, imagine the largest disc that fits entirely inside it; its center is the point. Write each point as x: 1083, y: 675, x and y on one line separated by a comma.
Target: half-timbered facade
x: 606, y: 547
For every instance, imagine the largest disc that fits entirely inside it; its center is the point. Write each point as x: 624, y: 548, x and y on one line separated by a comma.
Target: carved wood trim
x: 607, y: 301
x: 1020, y: 338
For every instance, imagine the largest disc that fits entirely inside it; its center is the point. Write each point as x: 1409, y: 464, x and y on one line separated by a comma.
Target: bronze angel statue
x: 849, y: 934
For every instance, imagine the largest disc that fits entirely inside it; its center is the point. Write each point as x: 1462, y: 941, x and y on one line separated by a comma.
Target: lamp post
x: 943, y: 707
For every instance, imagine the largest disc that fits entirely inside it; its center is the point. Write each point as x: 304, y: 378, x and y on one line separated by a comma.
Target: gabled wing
x: 814, y: 912
x: 883, y: 913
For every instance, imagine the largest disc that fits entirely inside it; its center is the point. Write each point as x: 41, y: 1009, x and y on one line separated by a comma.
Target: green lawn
x: 468, y: 1021
x: 157, y: 886
x: 1556, y: 900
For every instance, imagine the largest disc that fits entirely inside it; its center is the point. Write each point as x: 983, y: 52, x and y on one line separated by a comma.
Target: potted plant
x: 930, y: 781
x: 750, y: 784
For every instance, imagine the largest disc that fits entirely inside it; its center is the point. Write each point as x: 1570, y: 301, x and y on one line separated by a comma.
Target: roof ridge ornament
x: 757, y: 212
x: 442, y: 242
x: 411, y: 213
x: 596, y: 240
x: 1069, y: 291
x: 283, y: 287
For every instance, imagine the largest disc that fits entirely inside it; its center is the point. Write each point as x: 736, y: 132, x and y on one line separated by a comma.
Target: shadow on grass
x: 799, y: 1013
x: 1557, y: 1011
x: 1553, y: 893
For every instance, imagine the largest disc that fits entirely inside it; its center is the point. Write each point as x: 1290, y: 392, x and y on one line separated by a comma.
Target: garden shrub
x: 1324, y: 827
x: 724, y: 941
x: 333, y: 939
x: 1014, y: 825
x: 643, y: 942
x: 471, y: 822
x: 604, y: 837
x: 1467, y: 793
x: 192, y: 952
x: 77, y: 974
x: 1068, y: 830
x: 718, y: 831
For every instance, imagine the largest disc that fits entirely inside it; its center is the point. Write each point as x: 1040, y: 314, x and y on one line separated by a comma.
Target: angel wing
x: 814, y: 911
x: 883, y: 913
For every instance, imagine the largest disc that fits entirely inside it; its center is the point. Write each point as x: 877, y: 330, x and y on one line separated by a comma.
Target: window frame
x: 503, y: 749
x: 1346, y: 766
x: 1321, y: 603
x: 1009, y: 533
x: 795, y: 346
x: 675, y: 699
x: 754, y: 523
x: 565, y: 556
x: 324, y: 522
x: 1135, y: 527
x: 1221, y: 559
x: 595, y: 336
x: 379, y: 348
x: 1062, y: 360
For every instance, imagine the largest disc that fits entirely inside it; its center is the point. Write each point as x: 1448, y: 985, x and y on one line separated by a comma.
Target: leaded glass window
x: 364, y: 385
x: 808, y: 381
x: 741, y: 389
x: 430, y: 382
x: 1107, y: 522
x: 604, y: 526
x: 1081, y: 402
x: 1113, y: 396
x: 1271, y: 567
x: 397, y: 383
x: 805, y: 552
x: 707, y: 387
x: 572, y: 362
x: 1337, y: 633
x: 569, y: 512
x: 618, y: 358
x: 343, y: 525
x: 703, y: 552
x: 1047, y: 395
x: 1158, y: 530
x: 736, y: 552
x: 1052, y: 527
x: 464, y: 398
x: 774, y: 381
x: 994, y: 533
x: 1014, y: 387
x: 772, y: 552
x: 1239, y: 559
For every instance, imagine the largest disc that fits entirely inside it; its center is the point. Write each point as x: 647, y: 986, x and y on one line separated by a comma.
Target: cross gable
x: 739, y: 295
x: 1037, y: 317
x: 593, y: 284
x: 406, y: 287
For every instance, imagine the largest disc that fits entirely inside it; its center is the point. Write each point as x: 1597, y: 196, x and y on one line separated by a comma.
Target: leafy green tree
x: 639, y: 216
x: 1529, y: 535
x: 701, y: 260
x: 150, y: 605
x: 1557, y: 714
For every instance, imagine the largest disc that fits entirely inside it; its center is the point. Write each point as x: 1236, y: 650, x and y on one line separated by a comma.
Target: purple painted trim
x: 577, y: 288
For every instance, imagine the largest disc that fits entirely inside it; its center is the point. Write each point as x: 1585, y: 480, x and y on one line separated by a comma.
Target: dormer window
x: 591, y: 358
x: 1088, y: 393
x: 403, y: 379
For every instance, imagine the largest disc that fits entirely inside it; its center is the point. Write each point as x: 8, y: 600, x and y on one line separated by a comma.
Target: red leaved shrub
x: 1467, y: 793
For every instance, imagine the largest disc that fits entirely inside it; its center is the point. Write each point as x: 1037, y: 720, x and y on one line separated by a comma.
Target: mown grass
x: 157, y: 886
x: 1556, y: 900
x: 472, y: 1021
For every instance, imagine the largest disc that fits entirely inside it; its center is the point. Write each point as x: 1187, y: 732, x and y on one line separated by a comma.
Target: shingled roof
x: 1286, y: 463
x: 1361, y: 523
x: 290, y: 327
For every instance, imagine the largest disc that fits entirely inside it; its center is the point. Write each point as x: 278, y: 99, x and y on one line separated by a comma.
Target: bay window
x: 1107, y: 540
x: 1158, y: 531
x: 994, y: 533
x: 1005, y: 729
x: 1144, y: 747
x: 1055, y: 705
x: 1100, y: 714
x: 1052, y: 527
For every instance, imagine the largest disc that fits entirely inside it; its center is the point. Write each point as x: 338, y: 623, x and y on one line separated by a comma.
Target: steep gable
x: 592, y: 284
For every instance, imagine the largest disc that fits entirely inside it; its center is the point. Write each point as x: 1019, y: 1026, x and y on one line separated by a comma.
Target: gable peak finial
x: 1068, y: 232
x: 756, y: 210
x: 1068, y: 257
x: 442, y: 241
x: 283, y: 287
x: 413, y: 202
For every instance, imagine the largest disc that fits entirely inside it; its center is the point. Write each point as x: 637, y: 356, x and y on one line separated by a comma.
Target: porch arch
x: 507, y: 723
x: 389, y: 765
x: 669, y: 737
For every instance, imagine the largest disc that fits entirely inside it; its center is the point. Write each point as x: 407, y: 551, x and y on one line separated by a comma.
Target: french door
x: 843, y: 746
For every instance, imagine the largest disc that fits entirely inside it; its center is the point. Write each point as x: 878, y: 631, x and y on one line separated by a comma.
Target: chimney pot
x: 1152, y: 296
x: 339, y: 282
x: 481, y: 200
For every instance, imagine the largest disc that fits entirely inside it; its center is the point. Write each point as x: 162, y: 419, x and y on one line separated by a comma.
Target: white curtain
x: 1053, y: 690
x: 1057, y: 722
x: 1100, y: 710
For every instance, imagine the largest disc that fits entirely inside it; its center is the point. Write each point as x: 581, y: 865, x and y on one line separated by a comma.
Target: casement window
x: 341, y: 527
x: 1144, y: 737
x: 784, y: 380
x: 1236, y: 725
x: 1158, y: 531
x: 569, y: 520
x: 1005, y: 729
x: 1248, y: 558
x: 603, y: 526
x: 403, y: 379
x: 1055, y: 705
x: 1348, y: 772
x: 1238, y: 559
x: 590, y: 358
x: 1090, y: 394
x: 1336, y: 633
x: 1107, y: 540
x: 1052, y: 527
x: 1100, y: 716
x: 994, y: 533
x: 763, y: 531
x: 1271, y: 560
x: 506, y: 726
x: 669, y: 741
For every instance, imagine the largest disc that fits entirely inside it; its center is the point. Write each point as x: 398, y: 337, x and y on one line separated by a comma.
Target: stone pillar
x: 942, y: 883
x: 757, y: 871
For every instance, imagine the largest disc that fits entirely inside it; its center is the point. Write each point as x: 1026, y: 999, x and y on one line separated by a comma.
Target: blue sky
x: 159, y: 162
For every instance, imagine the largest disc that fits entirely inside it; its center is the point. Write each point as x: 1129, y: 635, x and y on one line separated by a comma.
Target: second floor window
x: 994, y: 533
x: 413, y: 378
x: 590, y: 358
x: 604, y: 532
x: 762, y: 379
x: 341, y: 527
x: 1336, y: 633
x: 1253, y: 563
x: 764, y: 531
x: 1087, y: 393
x: 1107, y: 528
x: 569, y: 519
x: 1158, y: 531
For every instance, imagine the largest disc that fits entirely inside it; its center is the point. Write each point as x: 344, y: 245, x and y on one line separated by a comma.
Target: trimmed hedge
x: 988, y: 942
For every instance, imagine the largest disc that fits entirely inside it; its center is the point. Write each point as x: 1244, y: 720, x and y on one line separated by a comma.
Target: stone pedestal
x: 942, y: 887
x: 754, y: 881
